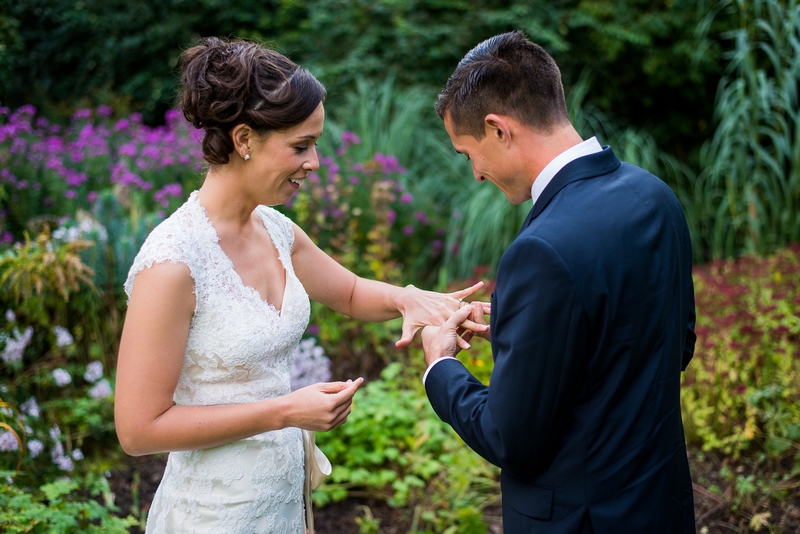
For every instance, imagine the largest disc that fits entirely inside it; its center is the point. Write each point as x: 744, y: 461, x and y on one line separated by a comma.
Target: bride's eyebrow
x: 309, y: 136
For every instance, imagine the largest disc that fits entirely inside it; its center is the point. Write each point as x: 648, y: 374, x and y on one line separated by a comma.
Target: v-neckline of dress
x: 253, y: 292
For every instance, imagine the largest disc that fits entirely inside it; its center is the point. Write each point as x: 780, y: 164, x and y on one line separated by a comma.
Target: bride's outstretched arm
x: 328, y: 282
x: 149, y: 365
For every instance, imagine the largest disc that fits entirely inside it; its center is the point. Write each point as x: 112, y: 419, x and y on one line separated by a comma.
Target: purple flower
x: 101, y: 390
x: 408, y: 230
x: 35, y: 447
x: 91, y: 196
x: 310, y: 365
x: 406, y: 198
x: 8, y: 442
x: 350, y: 138
x: 128, y: 149
x: 82, y: 114
x: 121, y: 124
x: 422, y: 218
x: 70, y: 194
x: 313, y: 329
x: 94, y: 371
x: 436, y: 245
x: 62, y: 377
x: 388, y: 164
x: 354, y: 180
x: 391, y: 216
x: 173, y: 117
x: 169, y: 190
x: 6, y: 238
x: 104, y: 111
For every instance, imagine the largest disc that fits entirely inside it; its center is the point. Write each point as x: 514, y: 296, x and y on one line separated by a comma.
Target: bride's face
x: 280, y: 162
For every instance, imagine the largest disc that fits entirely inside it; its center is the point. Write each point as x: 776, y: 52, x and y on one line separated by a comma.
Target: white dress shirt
x: 590, y: 146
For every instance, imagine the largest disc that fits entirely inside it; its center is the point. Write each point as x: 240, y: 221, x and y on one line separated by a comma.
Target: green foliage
x: 125, y: 53
x: 394, y: 448
x: 747, y: 197
x: 53, y: 333
x: 743, y: 387
x: 57, y: 507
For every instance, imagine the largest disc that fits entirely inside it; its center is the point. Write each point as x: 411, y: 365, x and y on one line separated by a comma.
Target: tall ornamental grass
x: 747, y: 195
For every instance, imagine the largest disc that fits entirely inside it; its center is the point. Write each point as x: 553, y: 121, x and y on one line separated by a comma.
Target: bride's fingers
x: 464, y: 293
x: 407, y: 336
x: 462, y: 342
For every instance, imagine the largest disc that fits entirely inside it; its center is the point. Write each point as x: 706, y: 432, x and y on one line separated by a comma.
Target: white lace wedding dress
x: 239, y: 350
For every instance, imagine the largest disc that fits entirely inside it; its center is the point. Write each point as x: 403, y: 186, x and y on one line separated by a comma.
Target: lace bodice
x: 239, y: 350
x: 239, y: 347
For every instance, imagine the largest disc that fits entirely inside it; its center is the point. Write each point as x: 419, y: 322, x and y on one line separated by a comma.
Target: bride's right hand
x: 322, y: 406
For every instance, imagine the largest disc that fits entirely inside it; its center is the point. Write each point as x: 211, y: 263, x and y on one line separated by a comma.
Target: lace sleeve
x: 166, y: 243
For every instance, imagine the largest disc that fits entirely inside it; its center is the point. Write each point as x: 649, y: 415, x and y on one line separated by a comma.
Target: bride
x: 219, y: 298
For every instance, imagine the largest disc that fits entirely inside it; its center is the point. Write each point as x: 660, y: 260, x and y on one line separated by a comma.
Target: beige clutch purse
x: 317, y: 468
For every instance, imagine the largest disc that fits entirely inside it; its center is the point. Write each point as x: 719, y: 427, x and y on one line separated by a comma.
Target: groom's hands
x: 450, y: 338
x: 423, y: 308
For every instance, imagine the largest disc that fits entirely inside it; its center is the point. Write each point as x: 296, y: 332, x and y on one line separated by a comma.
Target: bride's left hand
x: 422, y: 308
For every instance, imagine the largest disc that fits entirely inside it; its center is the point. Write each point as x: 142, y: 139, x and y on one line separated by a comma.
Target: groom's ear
x: 498, y: 127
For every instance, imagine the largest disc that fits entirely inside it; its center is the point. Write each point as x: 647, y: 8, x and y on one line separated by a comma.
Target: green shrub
x: 55, y: 356
x: 58, y: 508
x: 394, y: 448
x: 742, y: 390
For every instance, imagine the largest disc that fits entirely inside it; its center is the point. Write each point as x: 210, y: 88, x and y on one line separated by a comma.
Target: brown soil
x: 717, y: 508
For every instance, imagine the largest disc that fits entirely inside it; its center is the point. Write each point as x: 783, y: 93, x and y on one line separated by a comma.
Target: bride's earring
x: 246, y: 157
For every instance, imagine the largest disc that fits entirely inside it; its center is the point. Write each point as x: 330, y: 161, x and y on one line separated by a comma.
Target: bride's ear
x: 242, y: 136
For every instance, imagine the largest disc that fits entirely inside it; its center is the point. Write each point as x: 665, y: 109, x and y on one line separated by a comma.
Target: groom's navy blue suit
x: 592, y: 323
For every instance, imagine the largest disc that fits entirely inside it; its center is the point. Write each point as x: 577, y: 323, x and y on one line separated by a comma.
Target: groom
x: 592, y: 318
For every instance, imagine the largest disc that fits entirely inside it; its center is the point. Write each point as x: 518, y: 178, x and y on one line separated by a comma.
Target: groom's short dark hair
x: 508, y: 75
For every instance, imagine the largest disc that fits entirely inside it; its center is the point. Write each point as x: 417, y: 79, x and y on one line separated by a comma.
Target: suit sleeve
x: 540, y: 337
x: 688, y: 299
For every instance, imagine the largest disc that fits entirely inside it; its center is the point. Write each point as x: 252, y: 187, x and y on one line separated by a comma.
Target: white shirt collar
x: 590, y: 146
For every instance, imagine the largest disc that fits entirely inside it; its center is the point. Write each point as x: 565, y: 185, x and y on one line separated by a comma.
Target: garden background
x: 703, y: 94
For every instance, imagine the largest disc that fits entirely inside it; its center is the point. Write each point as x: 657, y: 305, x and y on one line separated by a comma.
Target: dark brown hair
x: 226, y: 83
x: 509, y: 75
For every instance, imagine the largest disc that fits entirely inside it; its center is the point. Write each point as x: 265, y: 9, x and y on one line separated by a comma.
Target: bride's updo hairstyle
x: 226, y: 83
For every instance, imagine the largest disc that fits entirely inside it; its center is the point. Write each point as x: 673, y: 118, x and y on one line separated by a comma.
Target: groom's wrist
x: 434, y: 362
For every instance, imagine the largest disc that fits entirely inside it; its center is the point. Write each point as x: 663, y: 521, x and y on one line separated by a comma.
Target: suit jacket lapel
x: 578, y: 169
